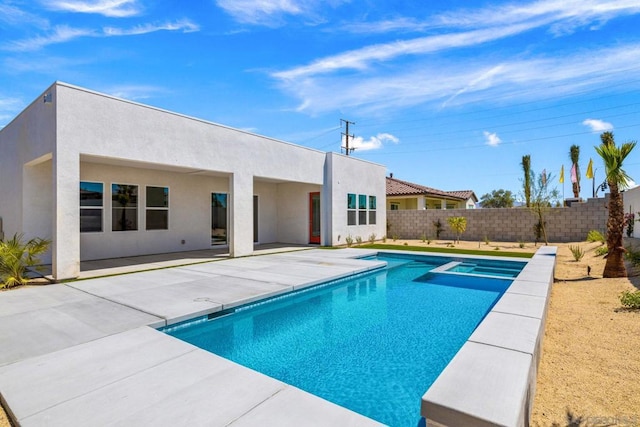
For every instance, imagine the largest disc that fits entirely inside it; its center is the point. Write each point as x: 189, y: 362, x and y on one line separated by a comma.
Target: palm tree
x: 16, y: 256
x: 574, y: 155
x: 526, y: 168
x: 617, y: 179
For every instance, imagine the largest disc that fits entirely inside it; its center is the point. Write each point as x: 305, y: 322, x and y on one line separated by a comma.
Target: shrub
x: 602, y: 250
x: 628, y: 222
x: 358, y: 240
x: 372, y: 238
x: 423, y: 238
x: 577, y: 252
x: 595, y: 236
x: 384, y: 239
x: 349, y: 240
x: 486, y: 240
x: 394, y: 237
x: 458, y: 224
x: 633, y: 256
x: 521, y: 244
x: 439, y: 228
x: 630, y: 299
x: 15, y: 258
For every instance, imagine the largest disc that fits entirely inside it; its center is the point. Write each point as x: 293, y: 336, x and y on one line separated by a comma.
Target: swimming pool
x: 373, y: 343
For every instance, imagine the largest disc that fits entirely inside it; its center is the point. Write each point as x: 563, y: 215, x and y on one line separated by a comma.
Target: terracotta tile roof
x: 397, y: 187
x: 464, y: 194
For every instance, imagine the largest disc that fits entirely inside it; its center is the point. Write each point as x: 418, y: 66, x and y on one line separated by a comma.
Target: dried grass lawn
x: 590, y: 365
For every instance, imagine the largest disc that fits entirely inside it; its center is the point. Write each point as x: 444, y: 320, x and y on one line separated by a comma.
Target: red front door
x: 314, y: 218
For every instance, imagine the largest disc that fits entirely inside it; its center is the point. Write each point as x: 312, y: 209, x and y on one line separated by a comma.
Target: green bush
x: 595, y: 236
x: 349, y: 240
x: 577, y: 252
x: 358, y: 240
x: 372, y: 238
x: 602, y: 250
x: 633, y: 256
x: 16, y: 257
x: 630, y: 299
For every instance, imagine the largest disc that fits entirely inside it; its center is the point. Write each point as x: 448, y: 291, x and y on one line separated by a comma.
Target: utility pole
x: 347, y: 136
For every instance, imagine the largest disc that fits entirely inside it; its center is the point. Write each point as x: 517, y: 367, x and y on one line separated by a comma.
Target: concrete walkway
x: 83, y: 353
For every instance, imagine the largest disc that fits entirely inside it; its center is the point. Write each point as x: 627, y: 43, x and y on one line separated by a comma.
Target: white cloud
x: 135, y: 92
x: 9, y: 107
x: 63, y: 33
x: 60, y: 34
x: 272, y: 12
x: 479, y: 79
x: 13, y: 15
x: 184, y: 25
x: 597, y: 126
x: 373, y: 143
x: 110, y: 8
x: 492, y: 139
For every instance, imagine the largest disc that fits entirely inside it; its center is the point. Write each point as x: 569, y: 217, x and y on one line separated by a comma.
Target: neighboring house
x: 403, y: 195
x: 103, y: 177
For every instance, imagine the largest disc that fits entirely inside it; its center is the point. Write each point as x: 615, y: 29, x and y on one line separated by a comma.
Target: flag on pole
x: 590, y: 169
x: 562, y: 175
x: 544, y: 177
x: 574, y: 176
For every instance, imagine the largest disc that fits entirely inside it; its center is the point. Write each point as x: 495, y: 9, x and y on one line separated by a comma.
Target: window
x: 124, y: 207
x: 157, y: 213
x: 372, y: 209
x: 362, y: 209
x: 395, y: 206
x: 351, y: 209
x: 91, y: 206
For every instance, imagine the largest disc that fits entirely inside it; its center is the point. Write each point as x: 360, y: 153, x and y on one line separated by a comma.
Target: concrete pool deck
x: 86, y: 353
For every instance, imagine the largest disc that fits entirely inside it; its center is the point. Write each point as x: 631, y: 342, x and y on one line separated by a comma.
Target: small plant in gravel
x: 595, y: 236
x: 372, y: 238
x: 496, y: 248
x: 394, y: 237
x: 349, y: 240
x: 521, y: 244
x: 601, y: 251
x: 423, y: 238
x: 384, y: 239
x: 358, y: 240
x: 630, y: 299
x: 486, y: 240
x: 438, y: 227
x: 577, y: 252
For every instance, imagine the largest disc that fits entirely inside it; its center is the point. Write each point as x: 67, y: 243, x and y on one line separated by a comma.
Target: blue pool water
x: 373, y: 343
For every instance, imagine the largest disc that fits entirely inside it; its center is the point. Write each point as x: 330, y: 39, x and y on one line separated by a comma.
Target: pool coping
x: 491, y: 380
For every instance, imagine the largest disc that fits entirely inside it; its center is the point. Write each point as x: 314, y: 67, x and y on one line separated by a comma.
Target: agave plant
x: 17, y: 256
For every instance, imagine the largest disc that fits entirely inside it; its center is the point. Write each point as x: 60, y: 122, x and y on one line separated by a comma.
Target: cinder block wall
x: 569, y: 224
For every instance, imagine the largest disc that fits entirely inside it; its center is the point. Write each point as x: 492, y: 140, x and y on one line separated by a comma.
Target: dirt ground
x: 589, y: 373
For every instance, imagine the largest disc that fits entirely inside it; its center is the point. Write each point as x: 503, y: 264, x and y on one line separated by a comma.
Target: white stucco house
x: 104, y: 177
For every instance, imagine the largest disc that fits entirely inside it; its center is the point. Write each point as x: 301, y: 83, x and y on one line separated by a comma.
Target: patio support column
x: 65, y: 243
x: 241, y: 214
x: 443, y: 204
x: 421, y: 203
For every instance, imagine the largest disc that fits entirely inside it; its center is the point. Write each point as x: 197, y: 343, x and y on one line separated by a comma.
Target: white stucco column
x: 65, y: 244
x: 421, y: 203
x: 241, y: 214
x: 443, y: 204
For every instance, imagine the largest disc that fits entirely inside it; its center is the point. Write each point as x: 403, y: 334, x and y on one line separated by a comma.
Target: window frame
x: 137, y: 205
x: 352, y: 204
x: 148, y: 208
x: 101, y: 207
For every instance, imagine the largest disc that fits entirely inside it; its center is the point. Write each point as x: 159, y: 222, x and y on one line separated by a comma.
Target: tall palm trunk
x: 526, y: 184
x: 614, y: 266
x: 617, y: 179
x: 574, y: 155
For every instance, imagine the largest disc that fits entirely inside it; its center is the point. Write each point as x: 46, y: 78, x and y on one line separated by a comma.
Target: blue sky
x: 448, y: 94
